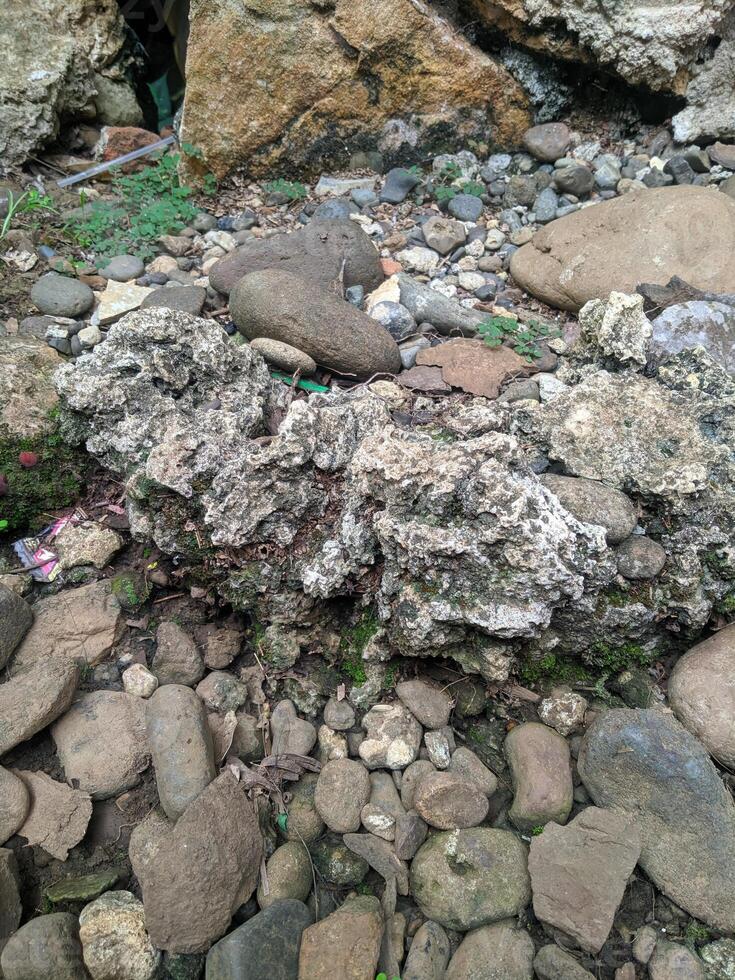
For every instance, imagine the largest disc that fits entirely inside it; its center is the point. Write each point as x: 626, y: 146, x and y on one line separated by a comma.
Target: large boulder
x: 282, y: 306
x: 645, y: 763
x: 83, y: 65
x: 276, y: 935
x: 710, y: 108
x: 331, y: 254
x: 644, y: 236
x: 305, y: 84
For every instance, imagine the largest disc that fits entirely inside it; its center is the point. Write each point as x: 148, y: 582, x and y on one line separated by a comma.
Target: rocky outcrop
x: 308, y: 82
x: 710, y: 109
x: 82, y: 65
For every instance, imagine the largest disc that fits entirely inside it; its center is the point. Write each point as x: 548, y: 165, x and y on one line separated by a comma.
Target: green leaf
x: 282, y: 821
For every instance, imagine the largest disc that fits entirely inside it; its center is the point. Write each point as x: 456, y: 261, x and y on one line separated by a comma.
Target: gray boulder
x: 279, y: 305
x: 645, y: 762
x: 699, y: 323
x: 47, y: 946
x: 61, y: 296
x: 316, y: 253
x: 265, y: 947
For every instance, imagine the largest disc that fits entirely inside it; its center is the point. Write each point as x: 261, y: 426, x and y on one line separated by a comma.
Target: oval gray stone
x: 497, y: 952
x: 47, y: 946
x: 61, y: 296
x: 284, y: 356
x: 265, y: 947
x: 594, y: 503
x: 280, y: 306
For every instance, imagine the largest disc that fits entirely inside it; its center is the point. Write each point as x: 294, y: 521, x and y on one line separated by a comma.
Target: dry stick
x: 168, y: 598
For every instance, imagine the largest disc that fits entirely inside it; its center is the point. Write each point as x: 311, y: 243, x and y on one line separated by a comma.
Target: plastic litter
x: 305, y: 385
x: 102, y: 168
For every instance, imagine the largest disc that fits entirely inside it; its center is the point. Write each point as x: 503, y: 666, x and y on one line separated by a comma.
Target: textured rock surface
x: 27, y: 394
x: 345, y: 944
x: 644, y: 236
x: 463, y: 879
x: 710, y: 109
x: 115, y: 943
x: 276, y: 935
x: 644, y: 762
x: 705, y: 323
x: 58, y: 816
x: 34, y: 699
x: 47, y: 946
x: 542, y: 776
x: 16, y: 617
x: 500, y: 951
x: 579, y: 873
x: 14, y: 803
x: 320, y: 82
x: 83, y: 63
x: 702, y: 694
x: 193, y: 880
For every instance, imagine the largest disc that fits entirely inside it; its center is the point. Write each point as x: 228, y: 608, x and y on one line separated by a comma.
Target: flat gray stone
x: 265, y: 947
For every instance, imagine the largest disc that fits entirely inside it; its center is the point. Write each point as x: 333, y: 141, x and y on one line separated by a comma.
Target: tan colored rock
x: 118, y: 299
x: 300, y: 92
x: 473, y: 366
x: 14, y: 803
x: 58, y: 815
x: 114, y: 939
x: 542, y: 776
x: 645, y: 236
x: 579, y: 873
x: 77, y: 624
x: 86, y: 544
x: 500, y: 951
x: 702, y: 694
x: 346, y: 944
x: 33, y: 699
x: 27, y: 394
x: 447, y: 800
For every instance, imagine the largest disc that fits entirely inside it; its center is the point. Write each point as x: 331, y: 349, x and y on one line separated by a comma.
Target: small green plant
x: 524, y: 339
x: 291, y: 189
x: 695, y: 933
x: 147, y: 205
x: 32, y: 200
x: 537, y: 831
x: 384, y: 976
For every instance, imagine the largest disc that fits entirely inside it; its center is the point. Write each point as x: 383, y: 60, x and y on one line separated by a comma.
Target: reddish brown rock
x: 474, y: 367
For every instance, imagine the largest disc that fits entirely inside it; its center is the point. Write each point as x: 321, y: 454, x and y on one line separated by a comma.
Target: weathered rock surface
x: 670, y: 960
x: 594, y: 503
x: 10, y: 904
x: 334, y: 333
x: 302, y: 89
x: 346, y: 944
x: 429, y: 705
x: 83, y: 64
x: 275, y: 933
x: 33, y: 699
x: 381, y: 857
x: 181, y: 747
x: 101, y: 742
x: 698, y: 323
x: 429, y: 954
x: 289, y: 875
x: 329, y: 254
x: 702, y: 694
x: 58, y: 816
x: 75, y: 625
x: 644, y: 236
x: 16, y: 617
x: 112, y: 930
x: 446, y: 800
x: 473, y: 366
x: 553, y: 963
x: 579, y: 873
x: 500, y: 951
x: 192, y: 879
x: 47, y: 946
x: 709, y: 94
x: 290, y: 733
x: 542, y: 776
x: 14, y: 804
x: 463, y: 879
x: 177, y: 660
x: 393, y: 737
x: 304, y: 820
x: 27, y: 394
x: 646, y: 763
x: 466, y: 763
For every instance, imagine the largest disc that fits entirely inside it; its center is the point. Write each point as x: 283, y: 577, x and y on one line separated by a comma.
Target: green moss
x: 131, y: 589
x: 695, y: 933
x: 560, y: 670
x: 719, y: 564
x: 726, y: 605
x: 611, y: 658
x: 353, y: 643
x: 53, y: 483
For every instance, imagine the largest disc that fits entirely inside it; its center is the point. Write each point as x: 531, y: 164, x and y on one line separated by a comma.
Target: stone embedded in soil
x: 304, y: 821
x: 500, y: 951
x: 547, y: 142
x: 86, y: 544
x: 339, y: 715
x: 473, y: 366
x: 14, y: 804
x: 640, y: 558
x: 346, y: 944
x: 280, y: 306
x: 702, y: 696
x: 446, y: 800
x: 337, y: 864
x: 192, y: 879
x: 381, y: 857
x: 540, y: 765
x: 288, y: 873
x: 176, y: 660
x: 284, y: 356
x: 185, y: 299
x: 671, y: 961
x: 115, y: 944
x: 33, y: 699
x: 464, y: 879
x: 274, y: 935
x: 181, y: 747
x: 58, y: 816
x: 58, y: 295
x: 16, y: 617
x: 646, y: 763
x: 698, y: 323
x: 76, y: 624
x: 466, y: 764
x: 411, y: 779
x: 554, y: 963
x: 579, y: 873
x: 342, y: 790
x: 429, y: 954
x: 393, y: 737
x: 222, y: 691
x: 10, y: 904
x: 429, y: 705
x: 594, y: 503
x: 47, y: 946
x: 316, y: 253
x: 289, y: 733
x: 102, y: 744
x: 644, y: 236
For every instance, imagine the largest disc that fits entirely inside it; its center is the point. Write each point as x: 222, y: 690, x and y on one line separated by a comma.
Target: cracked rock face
x: 455, y: 546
